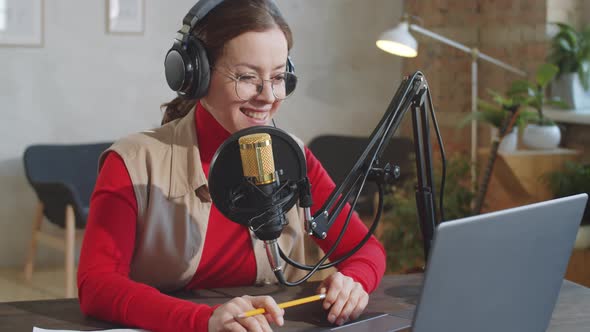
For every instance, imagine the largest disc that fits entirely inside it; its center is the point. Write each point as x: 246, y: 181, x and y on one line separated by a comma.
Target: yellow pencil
x: 284, y: 305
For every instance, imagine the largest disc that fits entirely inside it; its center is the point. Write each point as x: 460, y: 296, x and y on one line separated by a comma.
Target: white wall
x: 84, y: 85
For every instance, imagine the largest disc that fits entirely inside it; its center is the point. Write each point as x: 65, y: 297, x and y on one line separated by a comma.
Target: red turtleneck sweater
x: 105, y: 290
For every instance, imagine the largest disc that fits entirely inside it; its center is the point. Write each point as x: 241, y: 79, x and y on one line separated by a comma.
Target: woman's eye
x: 248, y: 78
x: 280, y: 77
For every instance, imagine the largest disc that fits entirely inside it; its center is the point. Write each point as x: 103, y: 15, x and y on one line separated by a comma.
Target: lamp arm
x: 501, y: 64
x: 440, y: 38
x: 474, y: 51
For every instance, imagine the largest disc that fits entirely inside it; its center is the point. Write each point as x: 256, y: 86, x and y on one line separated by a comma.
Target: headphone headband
x: 194, y: 15
x: 186, y: 64
x: 199, y: 10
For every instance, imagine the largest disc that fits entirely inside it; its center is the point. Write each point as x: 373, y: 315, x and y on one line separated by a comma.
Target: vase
x: 509, y: 142
x: 541, y: 137
x: 568, y: 89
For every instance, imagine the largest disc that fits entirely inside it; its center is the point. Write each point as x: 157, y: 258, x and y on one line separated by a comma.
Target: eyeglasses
x: 250, y: 85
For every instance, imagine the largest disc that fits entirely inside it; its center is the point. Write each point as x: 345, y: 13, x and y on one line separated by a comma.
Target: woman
x: 152, y: 227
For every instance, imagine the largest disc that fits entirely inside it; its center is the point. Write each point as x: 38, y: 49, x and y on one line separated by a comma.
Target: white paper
x: 37, y: 329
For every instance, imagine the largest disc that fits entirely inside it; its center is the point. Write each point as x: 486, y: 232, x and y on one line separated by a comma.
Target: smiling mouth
x: 255, y: 115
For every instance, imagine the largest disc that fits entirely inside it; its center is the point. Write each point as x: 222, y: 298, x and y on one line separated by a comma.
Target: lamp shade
x: 399, y: 41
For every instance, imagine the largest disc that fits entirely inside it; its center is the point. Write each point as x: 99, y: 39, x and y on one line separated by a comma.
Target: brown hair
x: 228, y: 20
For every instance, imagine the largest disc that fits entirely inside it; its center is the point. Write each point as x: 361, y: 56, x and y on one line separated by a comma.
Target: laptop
x: 499, y: 271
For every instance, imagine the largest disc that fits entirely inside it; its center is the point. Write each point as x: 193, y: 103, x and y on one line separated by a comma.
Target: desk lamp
x: 399, y: 41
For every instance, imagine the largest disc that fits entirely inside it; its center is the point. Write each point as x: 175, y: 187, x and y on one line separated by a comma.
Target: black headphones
x: 186, y: 64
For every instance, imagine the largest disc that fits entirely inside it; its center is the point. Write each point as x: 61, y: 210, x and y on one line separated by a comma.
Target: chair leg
x: 30, y: 261
x: 70, y: 239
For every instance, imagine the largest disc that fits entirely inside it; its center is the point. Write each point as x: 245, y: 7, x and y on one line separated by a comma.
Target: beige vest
x: 173, y: 205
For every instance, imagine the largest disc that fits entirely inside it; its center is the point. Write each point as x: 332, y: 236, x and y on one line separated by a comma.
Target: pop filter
x: 226, y: 174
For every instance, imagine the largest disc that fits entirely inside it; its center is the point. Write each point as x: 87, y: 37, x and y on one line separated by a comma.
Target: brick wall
x: 511, y: 31
x: 514, y: 31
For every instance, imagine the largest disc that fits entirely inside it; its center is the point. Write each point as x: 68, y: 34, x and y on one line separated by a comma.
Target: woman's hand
x: 345, y: 298
x: 224, y: 317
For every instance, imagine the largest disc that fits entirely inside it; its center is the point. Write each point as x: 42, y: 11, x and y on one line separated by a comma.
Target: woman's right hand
x: 224, y: 318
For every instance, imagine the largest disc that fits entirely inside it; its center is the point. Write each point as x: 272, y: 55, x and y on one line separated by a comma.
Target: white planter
x: 569, y: 89
x: 541, y: 137
x: 509, y: 142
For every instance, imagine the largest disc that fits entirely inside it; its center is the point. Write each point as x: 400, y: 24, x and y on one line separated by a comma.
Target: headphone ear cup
x: 201, y: 71
x: 290, y: 65
x: 178, y: 68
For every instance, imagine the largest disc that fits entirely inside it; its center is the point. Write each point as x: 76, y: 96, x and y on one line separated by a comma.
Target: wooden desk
x: 396, y: 293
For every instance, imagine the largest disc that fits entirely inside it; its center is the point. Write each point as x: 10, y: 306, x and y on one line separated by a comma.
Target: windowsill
x: 540, y: 152
x: 578, y: 116
x: 532, y: 152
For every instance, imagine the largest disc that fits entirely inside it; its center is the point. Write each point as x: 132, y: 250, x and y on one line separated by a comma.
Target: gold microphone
x: 257, y: 159
x: 258, y: 166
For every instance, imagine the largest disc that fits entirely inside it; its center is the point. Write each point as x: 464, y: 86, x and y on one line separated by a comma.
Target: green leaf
x: 562, y: 26
x: 521, y: 87
x: 573, y: 179
x: 545, y: 122
x: 525, y: 117
x: 558, y: 103
x: 564, y: 44
x: 487, y: 107
x: 497, y: 97
x: 567, y: 32
x: 545, y: 73
x: 570, y: 65
x: 504, y: 103
x: 570, y: 36
x: 488, y: 113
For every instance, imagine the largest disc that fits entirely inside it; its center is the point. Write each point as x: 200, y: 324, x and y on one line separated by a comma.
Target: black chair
x: 339, y: 153
x: 63, y: 177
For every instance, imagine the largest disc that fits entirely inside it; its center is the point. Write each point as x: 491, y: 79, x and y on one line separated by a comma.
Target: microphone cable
x: 319, y: 265
x: 371, y: 231
x: 442, y: 156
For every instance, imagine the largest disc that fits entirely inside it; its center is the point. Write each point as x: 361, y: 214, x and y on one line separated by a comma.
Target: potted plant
x: 570, y: 52
x: 573, y: 179
x: 541, y: 132
x: 496, y: 113
x: 401, y: 232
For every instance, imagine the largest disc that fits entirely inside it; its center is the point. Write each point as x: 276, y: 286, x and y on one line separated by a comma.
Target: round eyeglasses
x: 249, y: 85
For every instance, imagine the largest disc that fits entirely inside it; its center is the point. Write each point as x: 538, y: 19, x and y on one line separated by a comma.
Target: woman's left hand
x: 345, y: 298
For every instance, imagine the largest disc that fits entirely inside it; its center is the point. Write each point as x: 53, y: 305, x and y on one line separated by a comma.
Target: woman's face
x: 261, y: 53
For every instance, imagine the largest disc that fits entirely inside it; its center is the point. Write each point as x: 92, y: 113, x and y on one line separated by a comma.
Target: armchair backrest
x: 339, y: 153
x: 63, y: 174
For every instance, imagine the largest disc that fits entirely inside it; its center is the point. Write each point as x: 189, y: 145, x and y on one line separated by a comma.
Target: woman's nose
x: 266, y: 93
